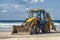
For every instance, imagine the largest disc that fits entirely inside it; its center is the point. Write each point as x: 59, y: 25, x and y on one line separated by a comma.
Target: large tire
x: 44, y: 29
x: 37, y: 30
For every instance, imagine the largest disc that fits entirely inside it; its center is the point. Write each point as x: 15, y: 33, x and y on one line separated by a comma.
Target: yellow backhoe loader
x: 38, y: 21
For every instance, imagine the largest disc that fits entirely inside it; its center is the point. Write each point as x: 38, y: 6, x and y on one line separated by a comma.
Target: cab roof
x: 37, y: 10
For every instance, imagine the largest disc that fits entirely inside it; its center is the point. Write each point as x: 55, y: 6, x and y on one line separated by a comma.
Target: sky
x: 17, y: 9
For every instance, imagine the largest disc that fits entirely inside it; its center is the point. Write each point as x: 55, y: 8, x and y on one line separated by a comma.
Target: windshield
x: 35, y: 14
x: 38, y: 15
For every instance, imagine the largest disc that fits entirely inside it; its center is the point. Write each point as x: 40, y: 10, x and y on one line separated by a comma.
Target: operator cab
x: 40, y: 14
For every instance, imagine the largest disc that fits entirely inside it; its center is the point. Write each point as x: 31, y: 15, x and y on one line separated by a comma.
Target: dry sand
x: 26, y: 36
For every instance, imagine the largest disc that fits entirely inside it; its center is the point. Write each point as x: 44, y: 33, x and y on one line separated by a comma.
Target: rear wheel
x: 45, y: 29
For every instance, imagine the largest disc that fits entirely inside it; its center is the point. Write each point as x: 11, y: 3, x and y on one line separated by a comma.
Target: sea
x: 7, y: 25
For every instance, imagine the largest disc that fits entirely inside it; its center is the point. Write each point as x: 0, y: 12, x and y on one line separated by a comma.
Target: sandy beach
x: 26, y: 36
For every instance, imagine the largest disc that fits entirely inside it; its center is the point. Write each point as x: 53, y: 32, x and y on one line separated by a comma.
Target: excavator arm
x: 50, y: 21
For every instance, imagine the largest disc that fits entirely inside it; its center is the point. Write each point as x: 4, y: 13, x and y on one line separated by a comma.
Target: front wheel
x: 34, y: 30
x: 37, y: 30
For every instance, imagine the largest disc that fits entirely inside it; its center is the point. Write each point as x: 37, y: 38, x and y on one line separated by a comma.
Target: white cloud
x: 5, y: 7
x: 27, y: 8
x: 50, y: 9
x: 1, y: 5
x: 16, y: 6
x: 42, y: 0
x: 35, y: 1
x: 12, y: 5
x: 24, y: 0
x: 6, y: 4
x: 13, y: 8
x: 3, y: 11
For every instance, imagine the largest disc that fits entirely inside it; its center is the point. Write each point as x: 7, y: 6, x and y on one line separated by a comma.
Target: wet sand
x: 26, y: 36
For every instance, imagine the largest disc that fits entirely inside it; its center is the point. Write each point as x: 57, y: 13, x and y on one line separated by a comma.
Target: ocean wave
x: 9, y: 26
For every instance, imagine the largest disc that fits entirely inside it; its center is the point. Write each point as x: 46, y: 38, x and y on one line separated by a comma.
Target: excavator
x: 39, y: 21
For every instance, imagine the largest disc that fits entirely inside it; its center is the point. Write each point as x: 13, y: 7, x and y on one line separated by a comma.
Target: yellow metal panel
x: 30, y: 19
